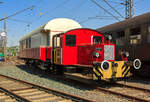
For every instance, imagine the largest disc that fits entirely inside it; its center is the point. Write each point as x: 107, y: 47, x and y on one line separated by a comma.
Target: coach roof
x: 55, y: 26
x: 141, y: 19
x: 33, y: 32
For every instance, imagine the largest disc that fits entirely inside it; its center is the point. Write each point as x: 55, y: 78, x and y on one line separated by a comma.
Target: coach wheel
x: 27, y: 63
x: 59, y: 70
x: 105, y: 65
x: 137, y: 64
x: 42, y: 66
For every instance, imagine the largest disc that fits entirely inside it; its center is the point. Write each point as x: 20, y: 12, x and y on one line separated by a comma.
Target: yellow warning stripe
x: 126, y: 72
x: 96, y: 72
x: 94, y: 77
x: 125, y: 67
x: 100, y: 70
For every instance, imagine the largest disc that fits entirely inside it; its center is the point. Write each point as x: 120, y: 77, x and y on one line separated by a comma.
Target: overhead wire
x: 49, y: 11
x: 105, y: 10
x: 17, y: 20
x: 56, y: 7
x: 74, y: 9
x: 98, y: 17
x: 113, y: 1
x: 113, y: 8
x: 17, y: 13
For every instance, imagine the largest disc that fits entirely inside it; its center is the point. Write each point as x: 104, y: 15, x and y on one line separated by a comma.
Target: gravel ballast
x: 43, y: 79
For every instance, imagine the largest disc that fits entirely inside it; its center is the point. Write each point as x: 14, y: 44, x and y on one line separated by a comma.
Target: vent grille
x: 108, y: 52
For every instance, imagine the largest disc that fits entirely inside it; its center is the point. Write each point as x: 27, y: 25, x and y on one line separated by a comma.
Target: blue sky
x: 83, y: 11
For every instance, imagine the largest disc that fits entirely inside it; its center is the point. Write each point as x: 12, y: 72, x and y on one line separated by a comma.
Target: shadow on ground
x: 50, y: 76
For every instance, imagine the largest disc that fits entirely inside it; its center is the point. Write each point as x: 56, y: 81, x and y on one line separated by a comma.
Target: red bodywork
x: 40, y: 53
x: 81, y: 53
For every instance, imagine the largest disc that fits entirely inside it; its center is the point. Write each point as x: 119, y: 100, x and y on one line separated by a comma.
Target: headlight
x: 105, y: 65
x: 137, y: 64
x: 127, y: 54
x: 96, y: 54
x: 109, y: 37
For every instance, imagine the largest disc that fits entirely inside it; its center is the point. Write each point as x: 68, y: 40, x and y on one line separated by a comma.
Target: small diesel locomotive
x: 63, y: 46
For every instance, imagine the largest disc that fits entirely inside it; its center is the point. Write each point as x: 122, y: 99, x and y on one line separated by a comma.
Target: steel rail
x: 56, y: 92
x: 17, y: 97
x: 134, y: 87
x: 96, y: 86
x: 123, y: 95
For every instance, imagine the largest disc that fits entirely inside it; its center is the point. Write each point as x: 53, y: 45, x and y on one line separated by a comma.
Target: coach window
x: 58, y: 41
x: 148, y: 37
x: 61, y: 41
x: 27, y: 43
x: 48, y: 39
x: 70, y: 40
x: 30, y: 42
x: 21, y: 46
x: 97, y: 40
x: 120, y: 38
x: 55, y: 41
x: 135, y: 36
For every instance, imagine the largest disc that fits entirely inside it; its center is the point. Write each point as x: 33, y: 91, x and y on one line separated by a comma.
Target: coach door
x: 57, y: 49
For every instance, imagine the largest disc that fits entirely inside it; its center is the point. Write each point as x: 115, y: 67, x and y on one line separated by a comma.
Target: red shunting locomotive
x: 78, y: 50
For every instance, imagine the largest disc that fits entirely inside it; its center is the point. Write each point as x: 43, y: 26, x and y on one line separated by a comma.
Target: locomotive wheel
x: 27, y: 63
x: 59, y: 70
x: 43, y: 66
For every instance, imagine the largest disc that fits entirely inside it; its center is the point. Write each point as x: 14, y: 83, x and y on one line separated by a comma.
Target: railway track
x: 17, y: 90
x: 4, y: 97
x: 127, y: 91
x: 133, y: 93
x: 119, y: 89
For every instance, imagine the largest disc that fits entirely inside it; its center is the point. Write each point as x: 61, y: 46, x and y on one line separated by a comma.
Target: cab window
x: 97, y: 40
x: 70, y: 40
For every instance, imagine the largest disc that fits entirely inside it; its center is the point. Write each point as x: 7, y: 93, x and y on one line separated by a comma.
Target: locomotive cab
x: 103, y: 49
x: 104, y: 64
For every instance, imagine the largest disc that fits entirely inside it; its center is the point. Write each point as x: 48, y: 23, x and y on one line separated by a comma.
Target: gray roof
x: 33, y: 32
x: 141, y: 19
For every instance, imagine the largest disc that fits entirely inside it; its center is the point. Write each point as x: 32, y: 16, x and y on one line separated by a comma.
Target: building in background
x: 1, y: 41
x: 12, y: 51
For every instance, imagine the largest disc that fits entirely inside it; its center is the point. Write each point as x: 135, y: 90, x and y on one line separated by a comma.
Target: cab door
x: 98, y: 53
x: 57, y: 49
